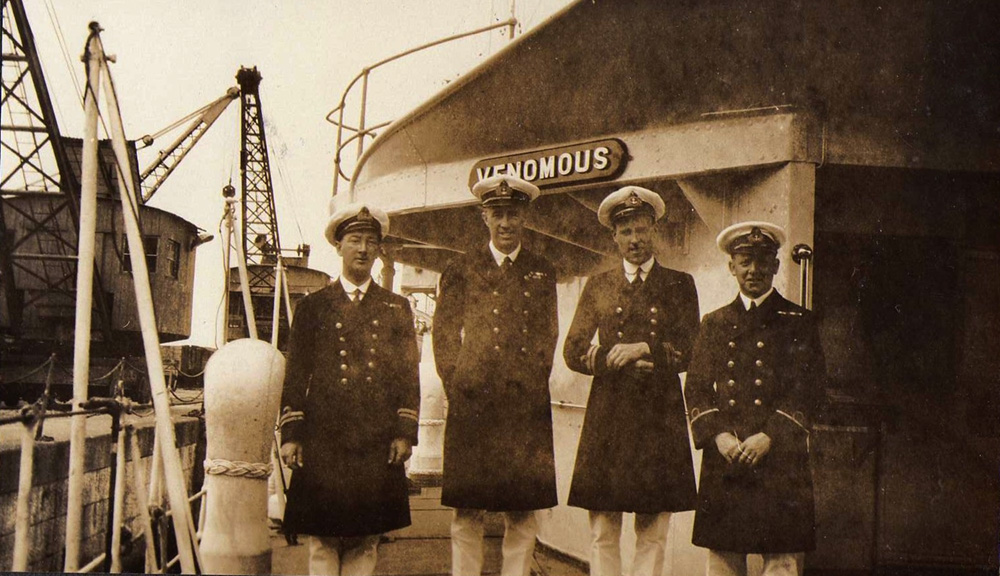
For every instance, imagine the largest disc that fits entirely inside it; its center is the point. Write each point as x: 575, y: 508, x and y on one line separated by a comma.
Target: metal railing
x: 362, y: 130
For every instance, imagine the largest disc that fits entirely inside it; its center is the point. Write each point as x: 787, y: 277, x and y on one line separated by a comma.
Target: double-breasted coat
x: 756, y: 371
x: 634, y: 453
x: 494, y: 338
x: 351, y: 387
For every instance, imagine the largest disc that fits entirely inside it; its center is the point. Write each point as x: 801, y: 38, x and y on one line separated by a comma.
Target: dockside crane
x: 39, y: 189
x: 260, y: 236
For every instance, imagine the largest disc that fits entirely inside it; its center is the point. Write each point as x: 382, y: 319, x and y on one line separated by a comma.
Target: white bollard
x: 242, y: 395
x: 427, y: 464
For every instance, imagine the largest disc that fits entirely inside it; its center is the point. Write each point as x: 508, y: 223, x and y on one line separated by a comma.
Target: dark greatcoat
x: 759, y: 371
x: 351, y: 387
x: 634, y: 453
x: 494, y: 338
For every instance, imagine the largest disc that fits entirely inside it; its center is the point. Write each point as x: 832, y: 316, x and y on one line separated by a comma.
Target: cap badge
x: 364, y: 215
x: 756, y: 236
x: 633, y: 200
x: 504, y: 190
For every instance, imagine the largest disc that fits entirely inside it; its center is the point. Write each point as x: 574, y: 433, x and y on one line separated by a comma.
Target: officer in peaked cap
x: 752, y: 388
x: 634, y: 453
x: 349, y: 405
x: 495, y: 330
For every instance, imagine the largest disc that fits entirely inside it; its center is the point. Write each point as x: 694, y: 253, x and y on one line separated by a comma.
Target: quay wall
x: 48, y: 499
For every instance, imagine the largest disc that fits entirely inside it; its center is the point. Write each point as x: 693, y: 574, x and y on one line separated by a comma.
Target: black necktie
x: 357, y: 296
x: 638, y: 280
x: 506, y: 264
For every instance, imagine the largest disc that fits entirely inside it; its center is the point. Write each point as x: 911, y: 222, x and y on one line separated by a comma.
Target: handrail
x: 361, y: 130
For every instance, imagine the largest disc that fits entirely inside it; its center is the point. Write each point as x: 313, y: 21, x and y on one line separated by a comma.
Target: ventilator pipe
x: 242, y: 393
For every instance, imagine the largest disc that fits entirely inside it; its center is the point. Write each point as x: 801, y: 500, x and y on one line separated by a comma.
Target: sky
x: 172, y: 57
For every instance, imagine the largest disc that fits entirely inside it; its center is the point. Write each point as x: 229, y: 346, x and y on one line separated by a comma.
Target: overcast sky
x: 175, y: 56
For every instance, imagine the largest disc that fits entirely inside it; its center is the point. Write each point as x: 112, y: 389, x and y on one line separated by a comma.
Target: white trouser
x: 605, y: 543
x: 343, y: 556
x: 520, y: 530
x: 735, y: 564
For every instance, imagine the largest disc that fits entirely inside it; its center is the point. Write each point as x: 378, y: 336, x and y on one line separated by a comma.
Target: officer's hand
x: 640, y: 368
x: 728, y: 445
x: 674, y: 356
x: 755, y: 448
x: 400, y: 451
x: 291, y: 455
x: 622, y: 355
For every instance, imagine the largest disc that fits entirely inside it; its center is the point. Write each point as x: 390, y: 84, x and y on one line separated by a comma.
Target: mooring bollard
x: 242, y: 392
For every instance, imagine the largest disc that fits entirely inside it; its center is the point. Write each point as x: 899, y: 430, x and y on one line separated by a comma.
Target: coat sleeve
x: 707, y: 421
x: 805, y: 372
x: 447, y: 325
x: 298, y: 372
x: 684, y: 328
x: 407, y: 381
x: 580, y: 354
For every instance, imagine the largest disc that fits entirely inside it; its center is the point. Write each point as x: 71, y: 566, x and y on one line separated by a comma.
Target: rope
x: 220, y: 467
x: 186, y: 375
x: 31, y: 372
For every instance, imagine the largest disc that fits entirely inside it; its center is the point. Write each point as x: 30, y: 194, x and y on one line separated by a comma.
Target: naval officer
x: 494, y: 335
x: 634, y: 453
x: 752, y: 388
x: 349, y: 416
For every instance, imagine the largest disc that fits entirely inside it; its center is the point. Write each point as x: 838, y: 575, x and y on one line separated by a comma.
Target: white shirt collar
x: 349, y: 287
x: 498, y: 256
x: 631, y: 269
x: 747, y: 300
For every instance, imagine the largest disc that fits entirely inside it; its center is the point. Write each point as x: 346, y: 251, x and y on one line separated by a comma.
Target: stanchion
x: 22, y: 514
x: 94, y: 60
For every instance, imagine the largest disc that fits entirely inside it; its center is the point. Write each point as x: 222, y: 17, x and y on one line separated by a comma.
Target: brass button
x: 495, y: 293
x: 731, y: 364
x: 371, y: 364
x: 339, y: 325
x: 527, y: 294
x: 653, y: 309
x: 731, y: 382
x: 374, y: 336
x: 757, y: 402
x: 618, y: 310
x: 652, y: 334
x: 496, y: 329
x: 760, y: 344
x: 372, y: 350
x: 526, y: 312
x: 343, y: 352
x: 496, y: 311
x: 621, y: 335
x: 759, y: 363
x: 525, y: 331
x: 732, y: 402
x: 732, y: 344
x: 343, y: 366
x: 368, y: 379
x: 342, y: 339
x: 497, y: 348
x: 343, y: 380
x: 652, y: 321
x: 758, y: 382
x: 525, y: 350
x: 374, y: 322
